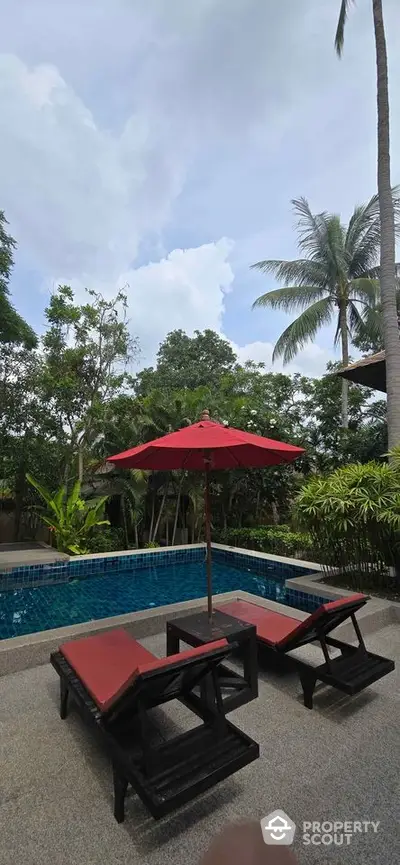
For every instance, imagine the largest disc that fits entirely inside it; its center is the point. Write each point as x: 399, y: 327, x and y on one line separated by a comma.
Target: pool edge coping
x: 33, y: 650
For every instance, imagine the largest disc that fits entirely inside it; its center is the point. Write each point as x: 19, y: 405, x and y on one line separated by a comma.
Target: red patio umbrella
x: 205, y: 446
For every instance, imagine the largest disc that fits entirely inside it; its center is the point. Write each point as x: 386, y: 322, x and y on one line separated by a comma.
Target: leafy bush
x: 106, y: 540
x: 353, y: 516
x: 278, y: 540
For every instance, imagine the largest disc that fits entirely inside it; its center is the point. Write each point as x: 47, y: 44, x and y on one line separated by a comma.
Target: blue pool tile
x: 35, y: 598
x: 25, y: 609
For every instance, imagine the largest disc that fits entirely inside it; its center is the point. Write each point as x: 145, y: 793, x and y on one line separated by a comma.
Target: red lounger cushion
x: 107, y: 664
x: 159, y: 663
x: 276, y: 628
x: 271, y: 627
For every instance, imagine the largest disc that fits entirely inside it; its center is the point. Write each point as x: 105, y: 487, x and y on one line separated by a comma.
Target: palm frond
x: 339, y: 37
x: 290, y: 298
x: 301, y: 271
x: 369, y: 325
x: 337, y: 332
x: 365, y: 289
x: 311, y: 228
x: 361, y: 220
x: 364, y: 234
x: 374, y: 273
x: 366, y: 253
x: 355, y: 319
x: 303, y: 329
x: 354, y: 323
x: 334, y: 252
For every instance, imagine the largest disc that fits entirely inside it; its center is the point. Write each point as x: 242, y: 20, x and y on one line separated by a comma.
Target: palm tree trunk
x: 80, y: 459
x: 178, y: 504
x: 125, y: 523
x: 344, y: 338
x: 20, y: 486
x: 156, y: 527
x: 152, y: 518
x: 387, y: 257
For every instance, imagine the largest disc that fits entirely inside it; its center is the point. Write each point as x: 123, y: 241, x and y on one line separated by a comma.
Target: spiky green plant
x: 353, y: 516
x: 70, y: 517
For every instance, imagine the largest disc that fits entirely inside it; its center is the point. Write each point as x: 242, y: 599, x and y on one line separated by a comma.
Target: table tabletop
x: 198, y: 625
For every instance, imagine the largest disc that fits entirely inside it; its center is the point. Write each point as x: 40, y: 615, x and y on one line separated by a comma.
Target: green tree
x: 387, y: 218
x: 327, y: 444
x: 337, y: 274
x: 187, y: 362
x: 86, y: 352
x: 29, y: 435
x: 13, y: 328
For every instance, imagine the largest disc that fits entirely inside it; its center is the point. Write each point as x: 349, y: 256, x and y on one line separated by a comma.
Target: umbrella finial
x: 205, y: 415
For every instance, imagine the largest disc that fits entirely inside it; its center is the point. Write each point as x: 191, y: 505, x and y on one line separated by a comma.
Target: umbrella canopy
x: 205, y: 446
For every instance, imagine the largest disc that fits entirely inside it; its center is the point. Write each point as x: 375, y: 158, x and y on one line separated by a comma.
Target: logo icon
x: 277, y: 828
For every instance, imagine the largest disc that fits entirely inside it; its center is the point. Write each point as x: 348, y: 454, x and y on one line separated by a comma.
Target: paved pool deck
x: 28, y: 553
x: 339, y: 762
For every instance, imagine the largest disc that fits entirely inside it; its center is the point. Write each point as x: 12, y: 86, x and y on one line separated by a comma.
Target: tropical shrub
x: 278, y: 540
x: 106, y: 539
x: 353, y: 516
x: 70, y: 518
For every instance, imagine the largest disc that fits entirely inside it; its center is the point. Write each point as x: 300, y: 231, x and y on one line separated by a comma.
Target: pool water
x: 27, y: 610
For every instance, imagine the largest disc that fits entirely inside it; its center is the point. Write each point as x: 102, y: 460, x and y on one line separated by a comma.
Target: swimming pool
x: 85, y: 598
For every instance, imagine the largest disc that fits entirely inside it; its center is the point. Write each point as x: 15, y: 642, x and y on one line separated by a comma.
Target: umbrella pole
x: 208, y: 543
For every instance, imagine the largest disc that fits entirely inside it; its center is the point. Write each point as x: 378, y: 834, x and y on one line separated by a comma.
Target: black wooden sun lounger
x: 115, y: 681
x: 351, y: 671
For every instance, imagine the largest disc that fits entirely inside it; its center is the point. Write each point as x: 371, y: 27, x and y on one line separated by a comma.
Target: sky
x: 157, y: 147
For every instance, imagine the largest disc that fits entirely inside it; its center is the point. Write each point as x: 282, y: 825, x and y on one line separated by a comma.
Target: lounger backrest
x: 324, y: 620
x: 156, y: 682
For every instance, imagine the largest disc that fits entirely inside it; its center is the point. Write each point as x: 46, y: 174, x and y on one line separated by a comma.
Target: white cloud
x: 79, y: 198
x: 184, y: 290
x: 311, y: 361
x: 85, y: 199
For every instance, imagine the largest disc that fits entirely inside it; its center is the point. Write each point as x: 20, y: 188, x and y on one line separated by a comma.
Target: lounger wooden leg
x: 308, y: 684
x: 120, y: 788
x: 63, y: 698
x: 346, y: 651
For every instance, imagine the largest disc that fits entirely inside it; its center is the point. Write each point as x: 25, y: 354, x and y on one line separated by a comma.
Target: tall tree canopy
x: 85, y: 355
x: 187, y: 361
x: 13, y: 328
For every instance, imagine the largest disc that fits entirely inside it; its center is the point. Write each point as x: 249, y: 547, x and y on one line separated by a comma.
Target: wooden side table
x: 196, y: 630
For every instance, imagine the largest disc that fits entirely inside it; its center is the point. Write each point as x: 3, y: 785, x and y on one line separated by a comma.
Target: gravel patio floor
x: 339, y: 762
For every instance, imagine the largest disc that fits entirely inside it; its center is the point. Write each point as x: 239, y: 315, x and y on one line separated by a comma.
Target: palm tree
x: 335, y: 277
x: 387, y: 216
